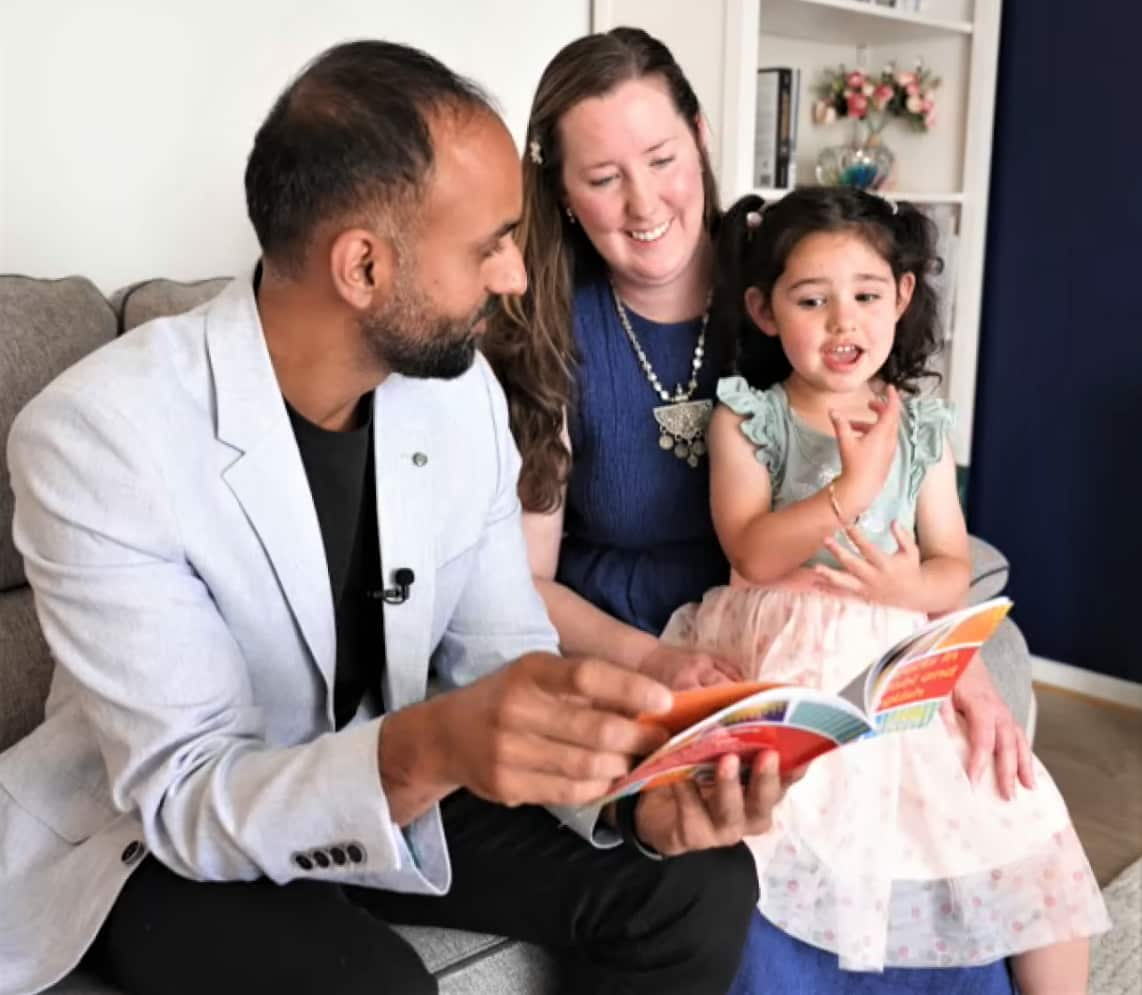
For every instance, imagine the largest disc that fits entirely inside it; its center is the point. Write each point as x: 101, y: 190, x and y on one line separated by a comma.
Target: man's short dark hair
x: 348, y: 139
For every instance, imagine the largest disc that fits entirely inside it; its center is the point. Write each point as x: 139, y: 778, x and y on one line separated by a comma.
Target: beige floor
x: 1093, y: 750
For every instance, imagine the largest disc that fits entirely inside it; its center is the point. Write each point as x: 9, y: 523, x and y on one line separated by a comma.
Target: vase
x: 865, y: 162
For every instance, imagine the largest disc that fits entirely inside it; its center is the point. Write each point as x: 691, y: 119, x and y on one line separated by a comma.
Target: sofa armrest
x: 989, y: 571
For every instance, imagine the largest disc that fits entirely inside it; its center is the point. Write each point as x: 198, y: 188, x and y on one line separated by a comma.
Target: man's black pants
x: 617, y: 921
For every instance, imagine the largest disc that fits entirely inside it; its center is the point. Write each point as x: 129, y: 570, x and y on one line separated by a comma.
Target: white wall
x: 125, y: 124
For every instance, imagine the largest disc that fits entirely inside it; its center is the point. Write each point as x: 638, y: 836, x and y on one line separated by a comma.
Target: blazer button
x: 133, y: 853
x: 320, y: 858
x: 419, y: 459
x: 338, y: 855
x: 355, y: 853
x: 302, y: 861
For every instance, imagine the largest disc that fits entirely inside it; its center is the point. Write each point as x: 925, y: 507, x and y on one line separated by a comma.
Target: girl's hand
x: 867, y: 452
x: 887, y: 578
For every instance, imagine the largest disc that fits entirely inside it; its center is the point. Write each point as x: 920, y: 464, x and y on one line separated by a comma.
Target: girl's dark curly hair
x: 756, y: 257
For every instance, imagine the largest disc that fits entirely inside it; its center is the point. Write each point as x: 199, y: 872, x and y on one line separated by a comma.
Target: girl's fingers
x: 852, y: 563
x: 866, y: 549
x: 839, y: 579
x: 905, y: 540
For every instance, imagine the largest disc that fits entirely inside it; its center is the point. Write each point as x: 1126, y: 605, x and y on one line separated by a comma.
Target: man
x: 249, y: 530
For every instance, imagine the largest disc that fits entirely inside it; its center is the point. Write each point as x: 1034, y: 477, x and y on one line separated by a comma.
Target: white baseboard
x: 1088, y: 682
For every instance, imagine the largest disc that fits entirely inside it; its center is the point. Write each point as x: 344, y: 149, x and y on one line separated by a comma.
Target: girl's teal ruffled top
x: 802, y: 461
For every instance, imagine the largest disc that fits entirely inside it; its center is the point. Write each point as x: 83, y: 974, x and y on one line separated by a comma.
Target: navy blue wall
x: 1056, y: 475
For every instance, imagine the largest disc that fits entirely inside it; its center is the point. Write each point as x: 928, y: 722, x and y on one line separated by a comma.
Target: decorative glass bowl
x: 862, y: 166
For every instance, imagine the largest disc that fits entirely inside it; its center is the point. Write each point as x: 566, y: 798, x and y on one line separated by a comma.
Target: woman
x: 609, y: 380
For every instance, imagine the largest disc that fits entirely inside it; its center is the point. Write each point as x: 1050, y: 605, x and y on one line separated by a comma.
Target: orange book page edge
x: 697, y: 703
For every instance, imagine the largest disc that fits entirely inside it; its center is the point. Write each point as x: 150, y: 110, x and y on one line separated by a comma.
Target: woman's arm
x: 584, y: 630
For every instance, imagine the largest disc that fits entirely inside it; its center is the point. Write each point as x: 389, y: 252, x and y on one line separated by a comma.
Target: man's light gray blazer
x: 180, y: 580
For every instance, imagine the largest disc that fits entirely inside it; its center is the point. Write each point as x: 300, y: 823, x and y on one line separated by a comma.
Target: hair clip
x: 535, y: 151
x: 753, y: 219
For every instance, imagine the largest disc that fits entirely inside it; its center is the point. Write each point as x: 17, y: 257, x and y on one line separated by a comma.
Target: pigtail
x: 918, y: 336
x: 742, y: 347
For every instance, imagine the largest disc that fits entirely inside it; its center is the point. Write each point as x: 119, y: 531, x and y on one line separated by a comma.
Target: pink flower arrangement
x: 874, y: 97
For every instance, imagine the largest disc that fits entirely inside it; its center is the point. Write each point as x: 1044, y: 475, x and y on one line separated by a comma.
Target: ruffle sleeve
x: 928, y: 421
x: 766, y: 422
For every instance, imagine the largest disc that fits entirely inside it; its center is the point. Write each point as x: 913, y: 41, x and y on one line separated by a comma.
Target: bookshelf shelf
x: 843, y: 21
x: 916, y: 197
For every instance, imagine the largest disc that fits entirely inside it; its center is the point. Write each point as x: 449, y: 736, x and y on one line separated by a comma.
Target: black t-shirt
x: 342, y: 480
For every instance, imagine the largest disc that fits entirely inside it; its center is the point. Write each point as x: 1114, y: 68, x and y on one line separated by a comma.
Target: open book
x: 903, y: 689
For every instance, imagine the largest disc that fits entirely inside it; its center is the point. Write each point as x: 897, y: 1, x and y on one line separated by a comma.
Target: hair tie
x: 535, y: 151
x: 753, y: 220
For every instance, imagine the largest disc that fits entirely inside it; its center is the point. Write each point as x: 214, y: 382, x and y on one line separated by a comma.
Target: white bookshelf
x: 722, y: 43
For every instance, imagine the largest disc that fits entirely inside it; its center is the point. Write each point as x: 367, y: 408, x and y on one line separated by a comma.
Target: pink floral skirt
x: 885, y: 853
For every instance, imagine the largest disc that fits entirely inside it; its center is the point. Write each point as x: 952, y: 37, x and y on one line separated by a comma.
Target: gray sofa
x: 45, y: 325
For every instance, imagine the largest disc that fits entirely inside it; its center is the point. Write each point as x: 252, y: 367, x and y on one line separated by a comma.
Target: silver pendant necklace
x: 681, y: 421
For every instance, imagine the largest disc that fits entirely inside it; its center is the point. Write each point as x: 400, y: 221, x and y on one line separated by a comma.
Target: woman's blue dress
x: 639, y: 543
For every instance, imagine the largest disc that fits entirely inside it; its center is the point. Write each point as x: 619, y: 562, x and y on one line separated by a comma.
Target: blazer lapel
x: 268, y: 477
x: 405, y: 468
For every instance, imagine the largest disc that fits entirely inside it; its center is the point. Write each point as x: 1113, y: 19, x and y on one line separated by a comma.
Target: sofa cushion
x: 989, y: 571
x: 27, y: 667
x: 161, y: 298
x: 45, y: 326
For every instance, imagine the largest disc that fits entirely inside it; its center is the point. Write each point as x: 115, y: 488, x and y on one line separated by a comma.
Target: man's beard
x: 410, y: 340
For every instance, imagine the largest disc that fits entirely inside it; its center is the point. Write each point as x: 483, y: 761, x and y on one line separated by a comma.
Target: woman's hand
x: 991, y: 731
x: 680, y: 668
x: 682, y: 817
x: 870, y: 573
x: 867, y: 452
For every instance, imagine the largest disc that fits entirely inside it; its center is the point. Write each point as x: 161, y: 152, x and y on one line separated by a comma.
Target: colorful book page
x: 700, y: 756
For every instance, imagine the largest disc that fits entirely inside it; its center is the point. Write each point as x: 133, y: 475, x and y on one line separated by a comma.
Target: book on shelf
x: 775, y: 134
x: 903, y: 689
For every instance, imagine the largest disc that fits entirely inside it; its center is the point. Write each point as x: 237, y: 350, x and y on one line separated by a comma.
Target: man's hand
x: 682, y: 817
x: 679, y: 668
x: 542, y: 730
x: 991, y: 731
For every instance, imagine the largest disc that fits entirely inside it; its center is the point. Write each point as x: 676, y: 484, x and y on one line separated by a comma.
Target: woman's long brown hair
x: 530, y: 341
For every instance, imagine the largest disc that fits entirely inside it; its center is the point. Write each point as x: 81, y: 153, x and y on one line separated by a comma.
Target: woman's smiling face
x: 632, y: 176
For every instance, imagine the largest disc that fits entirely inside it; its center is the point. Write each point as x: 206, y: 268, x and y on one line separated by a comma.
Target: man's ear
x: 363, y: 267
x: 759, y: 311
x: 905, y: 287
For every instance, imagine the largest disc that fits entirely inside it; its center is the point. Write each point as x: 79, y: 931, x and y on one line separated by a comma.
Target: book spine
x: 766, y: 128
x: 784, y: 125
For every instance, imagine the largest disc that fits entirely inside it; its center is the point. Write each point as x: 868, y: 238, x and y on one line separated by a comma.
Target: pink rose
x: 881, y: 96
x: 913, y: 89
x: 905, y: 79
x: 858, y: 105
x: 855, y: 80
x: 929, y: 105
x: 929, y: 119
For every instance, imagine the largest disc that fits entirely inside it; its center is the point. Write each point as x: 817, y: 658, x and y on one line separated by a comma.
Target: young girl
x: 834, y: 497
